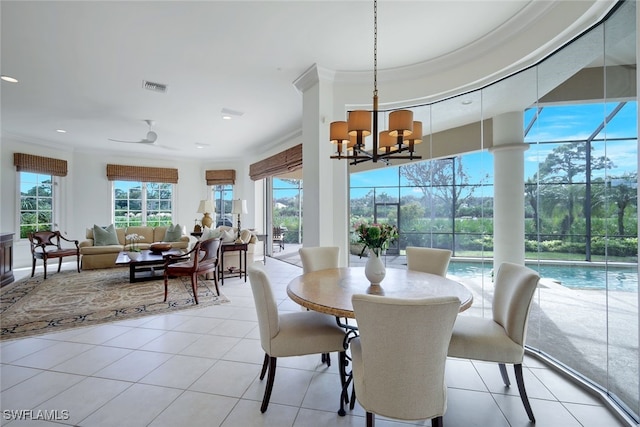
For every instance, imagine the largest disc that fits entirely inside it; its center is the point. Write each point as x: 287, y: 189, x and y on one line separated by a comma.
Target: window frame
x: 55, y: 201
x: 143, y: 201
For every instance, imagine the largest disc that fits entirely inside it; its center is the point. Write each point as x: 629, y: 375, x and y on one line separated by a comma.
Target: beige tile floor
x: 200, y: 367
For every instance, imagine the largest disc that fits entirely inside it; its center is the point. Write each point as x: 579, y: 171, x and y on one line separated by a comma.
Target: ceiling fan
x: 150, y: 138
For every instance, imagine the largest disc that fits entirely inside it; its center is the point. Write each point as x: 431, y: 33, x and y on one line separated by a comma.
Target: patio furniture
x: 278, y: 237
x: 290, y: 334
x: 428, y: 260
x: 500, y: 339
x: 48, y: 244
x: 398, y: 363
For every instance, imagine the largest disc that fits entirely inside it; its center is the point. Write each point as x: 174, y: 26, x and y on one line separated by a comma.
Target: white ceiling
x: 81, y: 65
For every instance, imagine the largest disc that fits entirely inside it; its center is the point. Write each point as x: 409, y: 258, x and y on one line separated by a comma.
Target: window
x: 142, y: 203
x: 222, y: 199
x: 36, y: 202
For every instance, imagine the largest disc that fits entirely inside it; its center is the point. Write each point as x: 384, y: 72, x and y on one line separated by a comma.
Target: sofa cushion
x: 105, y: 236
x: 173, y: 233
x: 146, y: 233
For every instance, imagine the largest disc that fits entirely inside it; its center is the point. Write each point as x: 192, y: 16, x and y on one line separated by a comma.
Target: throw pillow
x: 104, y: 236
x: 206, y: 233
x: 173, y: 233
x: 228, y: 236
x: 245, y: 236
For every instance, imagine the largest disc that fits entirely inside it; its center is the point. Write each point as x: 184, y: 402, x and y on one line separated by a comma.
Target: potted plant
x: 376, y: 238
x: 134, y: 249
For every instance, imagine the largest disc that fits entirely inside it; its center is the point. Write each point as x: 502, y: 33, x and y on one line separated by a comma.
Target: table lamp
x: 206, y: 207
x: 239, y: 207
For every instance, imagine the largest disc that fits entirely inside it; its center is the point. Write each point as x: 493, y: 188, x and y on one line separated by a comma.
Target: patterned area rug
x: 70, y: 299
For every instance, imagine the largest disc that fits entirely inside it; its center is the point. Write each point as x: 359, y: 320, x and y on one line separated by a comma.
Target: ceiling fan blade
x: 166, y: 147
x: 142, y: 141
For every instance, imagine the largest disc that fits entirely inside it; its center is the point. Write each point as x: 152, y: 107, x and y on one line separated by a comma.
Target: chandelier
x: 401, y: 137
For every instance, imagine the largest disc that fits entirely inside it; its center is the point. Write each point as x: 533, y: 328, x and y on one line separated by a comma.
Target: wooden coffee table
x: 150, y: 265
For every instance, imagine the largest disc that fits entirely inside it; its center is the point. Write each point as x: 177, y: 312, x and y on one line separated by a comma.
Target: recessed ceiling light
x: 9, y: 79
x: 61, y: 131
x: 228, y: 114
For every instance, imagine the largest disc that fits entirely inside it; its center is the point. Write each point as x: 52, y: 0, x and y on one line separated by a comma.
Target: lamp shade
x: 416, y: 136
x: 338, y: 132
x: 359, y: 121
x: 206, y: 206
x: 239, y: 207
x: 387, y: 141
x: 401, y: 123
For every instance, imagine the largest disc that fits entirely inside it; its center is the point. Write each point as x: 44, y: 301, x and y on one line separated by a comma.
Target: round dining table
x: 329, y: 291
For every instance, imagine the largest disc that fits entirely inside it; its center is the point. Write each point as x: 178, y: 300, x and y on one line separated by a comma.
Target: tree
x: 624, y: 193
x: 445, y: 179
x: 562, y: 166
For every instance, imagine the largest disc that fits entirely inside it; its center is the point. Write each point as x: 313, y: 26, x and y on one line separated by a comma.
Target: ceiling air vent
x: 156, y: 87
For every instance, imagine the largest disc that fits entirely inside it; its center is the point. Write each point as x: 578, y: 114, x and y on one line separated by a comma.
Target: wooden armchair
x: 48, y: 244
x: 202, y: 259
x: 278, y: 238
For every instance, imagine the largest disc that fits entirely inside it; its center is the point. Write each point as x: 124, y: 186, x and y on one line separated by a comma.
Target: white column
x: 508, y: 202
x: 325, y: 181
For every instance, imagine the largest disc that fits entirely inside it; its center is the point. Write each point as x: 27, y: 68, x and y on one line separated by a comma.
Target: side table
x: 241, y: 248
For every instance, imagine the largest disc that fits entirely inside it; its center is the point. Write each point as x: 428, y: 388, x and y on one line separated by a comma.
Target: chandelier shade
x: 401, y: 123
x: 339, y: 133
x: 362, y: 123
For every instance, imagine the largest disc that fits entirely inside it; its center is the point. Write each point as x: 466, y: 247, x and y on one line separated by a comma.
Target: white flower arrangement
x: 134, y: 238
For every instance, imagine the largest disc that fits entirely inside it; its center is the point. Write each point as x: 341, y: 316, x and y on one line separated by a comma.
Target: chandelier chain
x: 375, y: 47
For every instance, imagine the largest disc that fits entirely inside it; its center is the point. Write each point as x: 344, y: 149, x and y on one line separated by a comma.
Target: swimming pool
x: 572, y: 276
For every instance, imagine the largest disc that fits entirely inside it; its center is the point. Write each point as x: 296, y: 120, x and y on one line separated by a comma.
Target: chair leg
x: 437, y: 422
x: 265, y: 365
x: 326, y: 358
x: 33, y: 267
x: 166, y: 286
x: 371, y: 419
x: 59, y: 264
x: 44, y: 262
x: 505, y: 375
x: 215, y: 280
x: 523, y: 393
x: 78, y: 262
x: 270, y: 378
x: 194, y: 286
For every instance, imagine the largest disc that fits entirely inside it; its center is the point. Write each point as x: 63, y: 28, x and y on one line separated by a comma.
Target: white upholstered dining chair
x: 500, y: 339
x: 399, y: 357
x: 428, y: 260
x: 290, y: 334
x: 319, y: 258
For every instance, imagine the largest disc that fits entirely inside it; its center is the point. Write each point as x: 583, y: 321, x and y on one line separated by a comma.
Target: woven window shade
x: 141, y: 173
x: 286, y: 161
x: 38, y: 164
x: 220, y: 177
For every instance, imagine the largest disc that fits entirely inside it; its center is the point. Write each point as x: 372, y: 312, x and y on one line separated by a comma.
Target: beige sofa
x: 94, y: 257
